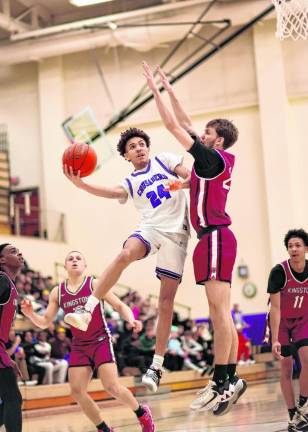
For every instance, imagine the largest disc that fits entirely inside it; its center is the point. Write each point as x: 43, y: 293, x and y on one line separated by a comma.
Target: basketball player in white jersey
x: 163, y: 229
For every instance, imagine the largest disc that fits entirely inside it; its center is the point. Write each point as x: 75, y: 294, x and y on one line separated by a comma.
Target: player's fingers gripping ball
x: 80, y: 159
x: 174, y: 185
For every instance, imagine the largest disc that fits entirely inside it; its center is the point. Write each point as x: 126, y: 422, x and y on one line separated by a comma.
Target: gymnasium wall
x: 268, y: 193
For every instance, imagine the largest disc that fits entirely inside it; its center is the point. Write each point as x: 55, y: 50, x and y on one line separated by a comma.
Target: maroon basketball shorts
x: 214, y: 256
x: 92, y: 354
x: 5, y: 360
x: 293, y: 331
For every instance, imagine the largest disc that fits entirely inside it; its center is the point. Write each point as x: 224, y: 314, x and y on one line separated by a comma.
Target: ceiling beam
x: 7, y: 22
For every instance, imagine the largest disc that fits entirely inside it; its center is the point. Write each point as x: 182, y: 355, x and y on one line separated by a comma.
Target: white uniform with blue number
x: 164, y: 225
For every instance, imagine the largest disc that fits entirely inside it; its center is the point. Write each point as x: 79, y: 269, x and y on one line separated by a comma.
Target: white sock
x: 157, y: 362
x: 91, y: 303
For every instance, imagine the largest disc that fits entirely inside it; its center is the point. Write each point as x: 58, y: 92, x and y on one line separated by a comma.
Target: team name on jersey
x: 75, y: 302
x: 300, y: 290
x: 149, y: 182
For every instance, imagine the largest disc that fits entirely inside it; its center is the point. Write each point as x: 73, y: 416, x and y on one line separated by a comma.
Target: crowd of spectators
x: 45, y: 354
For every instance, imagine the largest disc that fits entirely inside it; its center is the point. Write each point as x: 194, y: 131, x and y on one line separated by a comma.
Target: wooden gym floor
x: 260, y: 409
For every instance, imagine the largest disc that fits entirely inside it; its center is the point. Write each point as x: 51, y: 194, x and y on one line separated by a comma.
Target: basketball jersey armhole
x: 10, y: 283
x: 91, y: 279
x: 285, y: 274
x: 213, y: 178
x: 59, y: 293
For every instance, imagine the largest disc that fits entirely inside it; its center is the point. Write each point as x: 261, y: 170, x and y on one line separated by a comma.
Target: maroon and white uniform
x: 7, y: 315
x: 294, y: 309
x: 94, y: 346
x: 215, y: 254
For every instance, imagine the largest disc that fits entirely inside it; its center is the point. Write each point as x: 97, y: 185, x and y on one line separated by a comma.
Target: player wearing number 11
x: 164, y: 229
x: 288, y: 288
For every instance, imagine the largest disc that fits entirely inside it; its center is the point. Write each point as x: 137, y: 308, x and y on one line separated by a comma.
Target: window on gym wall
x: 28, y: 219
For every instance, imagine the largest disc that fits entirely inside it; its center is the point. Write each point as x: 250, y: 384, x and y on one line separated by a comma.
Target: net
x: 292, y: 19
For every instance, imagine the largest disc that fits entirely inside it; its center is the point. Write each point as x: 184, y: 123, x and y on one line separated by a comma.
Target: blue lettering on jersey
x: 149, y: 182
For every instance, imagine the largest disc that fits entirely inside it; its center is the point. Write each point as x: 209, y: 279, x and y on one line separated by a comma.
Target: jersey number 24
x: 155, y: 198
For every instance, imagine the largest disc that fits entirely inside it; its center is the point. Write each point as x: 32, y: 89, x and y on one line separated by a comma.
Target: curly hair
x: 226, y: 130
x: 300, y: 233
x: 127, y: 135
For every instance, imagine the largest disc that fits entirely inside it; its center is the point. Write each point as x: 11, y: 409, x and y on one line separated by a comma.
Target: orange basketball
x: 81, y: 157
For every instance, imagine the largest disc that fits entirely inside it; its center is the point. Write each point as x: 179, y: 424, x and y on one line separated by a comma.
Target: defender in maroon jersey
x: 11, y: 261
x: 215, y: 254
x: 91, y: 349
x: 288, y: 289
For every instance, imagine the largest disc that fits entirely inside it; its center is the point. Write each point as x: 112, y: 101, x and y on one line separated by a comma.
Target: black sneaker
x: 223, y: 407
x: 152, y: 378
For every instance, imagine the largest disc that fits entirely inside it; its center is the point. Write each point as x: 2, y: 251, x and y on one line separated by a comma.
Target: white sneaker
x: 211, y: 395
x: 151, y: 379
x: 79, y: 319
x: 224, y: 406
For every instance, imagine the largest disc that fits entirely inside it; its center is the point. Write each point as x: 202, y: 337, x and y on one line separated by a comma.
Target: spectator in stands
x: 60, y: 345
x: 127, y: 354
x: 244, y: 347
x: 193, y: 352
x: 49, y: 282
x: 146, y: 344
x: 237, y: 317
x: 205, y: 338
x: 34, y: 371
x: 174, y: 358
x: 55, y: 370
x: 44, y: 299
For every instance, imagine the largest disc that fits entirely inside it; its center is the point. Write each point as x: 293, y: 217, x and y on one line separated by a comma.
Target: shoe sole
x: 75, y: 323
x: 209, y: 406
x: 149, y: 385
x: 230, y: 405
x: 241, y: 392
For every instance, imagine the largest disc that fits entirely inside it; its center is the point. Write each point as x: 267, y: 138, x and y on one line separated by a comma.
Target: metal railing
x: 4, y: 144
x: 176, y: 305
x: 61, y: 275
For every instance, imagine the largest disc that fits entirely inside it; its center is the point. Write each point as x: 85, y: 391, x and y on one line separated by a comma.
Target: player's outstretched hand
x: 164, y: 80
x: 26, y: 308
x: 276, y: 350
x: 74, y: 178
x: 136, y: 326
x: 173, y: 185
x: 148, y: 74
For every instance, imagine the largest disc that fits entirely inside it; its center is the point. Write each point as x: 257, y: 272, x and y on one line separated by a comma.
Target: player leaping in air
x: 215, y: 253
x: 163, y: 229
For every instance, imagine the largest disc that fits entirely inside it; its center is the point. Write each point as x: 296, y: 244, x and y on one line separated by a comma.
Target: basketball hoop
x: 292, y: 19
